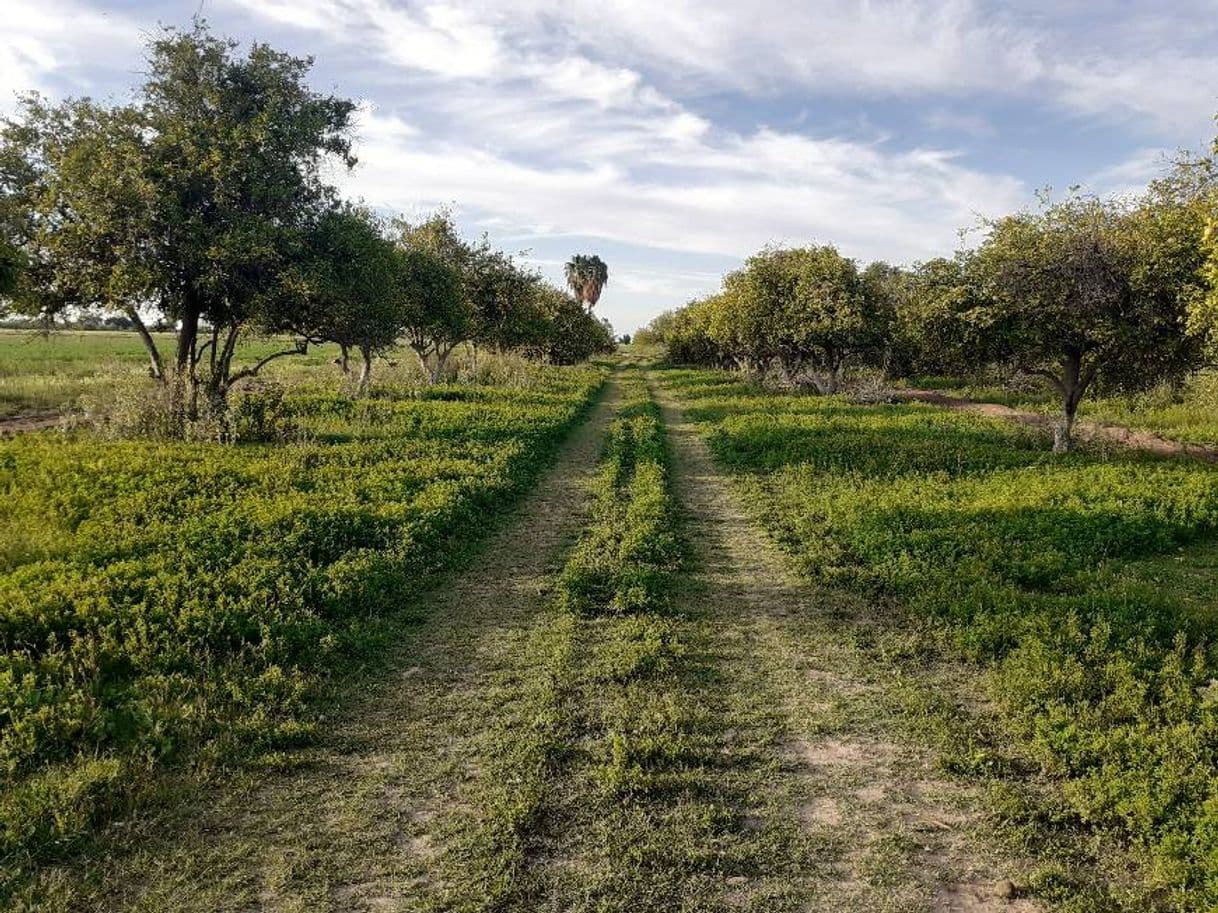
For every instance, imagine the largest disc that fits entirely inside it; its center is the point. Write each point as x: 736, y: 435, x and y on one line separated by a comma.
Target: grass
x: 1188, y: 415
x: 50, y: 372
x: 626, y: 703
x: 165, y: 605
x: 1043, y: 570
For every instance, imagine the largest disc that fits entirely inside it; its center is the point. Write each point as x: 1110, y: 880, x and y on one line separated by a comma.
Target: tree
x: 933, y: 330
x: 193, y: 201
x: 802, y: 307
x: 503, y: 299
x: 1070, y: 295
x: 1197, y: 179
x: 80, y: 204
x: 572, y: 334
x: 11, y: 263
x: 685, y: 335
x: 587, y: 275
x: 350, y: 281
x: 435, y: 267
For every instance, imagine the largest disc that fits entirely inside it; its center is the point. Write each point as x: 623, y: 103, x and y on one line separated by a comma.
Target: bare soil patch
x: 1092, y: 431
x: 30, y: 421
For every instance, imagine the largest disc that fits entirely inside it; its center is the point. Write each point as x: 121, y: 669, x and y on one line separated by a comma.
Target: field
x: 49, y: 373
x: 1082, y: 588
x: 605, y: 638
x: 168, y: 603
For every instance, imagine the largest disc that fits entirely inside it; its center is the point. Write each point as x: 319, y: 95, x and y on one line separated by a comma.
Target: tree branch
x: 301, y: 348
x: 154, y: 354
x: 1046, y: 373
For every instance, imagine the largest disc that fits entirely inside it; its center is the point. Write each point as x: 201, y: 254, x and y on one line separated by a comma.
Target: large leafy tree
x: 586, y: 275
x: 437, y: 270
x: 350, y: 279
x: 687, y: 336
x: 933, y: 327
x: 1076, y: 293
x: 1197, y: 179
x: 572, y: 334
x: 193, y: 201
x: 804, y: 308
x: 504, y: 299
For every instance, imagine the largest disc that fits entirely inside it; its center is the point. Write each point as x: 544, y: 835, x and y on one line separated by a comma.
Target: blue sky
x: 674, y: 138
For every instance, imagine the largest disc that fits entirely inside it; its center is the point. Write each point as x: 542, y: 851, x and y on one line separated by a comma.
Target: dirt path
x: 814, y: 671
x: 354, y: 823
x: 30, y: 421
x: 464, y: 776
x: 1116, y: 434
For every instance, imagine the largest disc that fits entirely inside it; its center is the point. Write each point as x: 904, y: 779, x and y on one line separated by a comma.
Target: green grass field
x: 1082, y: 587
x: 48, y: 373
x: 589, y: 715
x: 179, y: 603
x: 1189, y: 415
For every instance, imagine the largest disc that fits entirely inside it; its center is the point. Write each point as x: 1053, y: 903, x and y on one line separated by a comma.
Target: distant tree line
x: 1090, y: 294
x: 202, y: 205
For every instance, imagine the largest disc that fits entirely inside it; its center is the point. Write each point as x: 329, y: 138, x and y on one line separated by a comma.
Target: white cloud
x: 1171, y: 92
x: 737, y: 196
x: 666, y: 125
x: 1130, y: 176
x: 59, y: 44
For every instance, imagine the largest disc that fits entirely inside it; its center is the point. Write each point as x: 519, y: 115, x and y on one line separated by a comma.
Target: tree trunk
x: 424, y: 364
x: 441, y: 360
x: 188, y: 336
x: 344, y: 358
x: 365, y: 371
x: 1063, y: 432
x: 184, y: 359
x: 156, y: 367
x: 833, y: 378
x: 1073, y: 385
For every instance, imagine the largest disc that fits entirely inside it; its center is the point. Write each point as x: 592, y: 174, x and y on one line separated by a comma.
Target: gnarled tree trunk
x: 365, y: 371
x: 156, y: 367
x: 1072, y: 385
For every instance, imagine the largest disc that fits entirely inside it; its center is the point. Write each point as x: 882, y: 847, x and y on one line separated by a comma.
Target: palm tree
x: 587, y: 275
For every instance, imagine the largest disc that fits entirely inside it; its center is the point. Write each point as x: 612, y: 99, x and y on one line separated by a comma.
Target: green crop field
x: 385, y: 553
x: 167, y: 602
x: 50, y: 372
x: 1083, y: 588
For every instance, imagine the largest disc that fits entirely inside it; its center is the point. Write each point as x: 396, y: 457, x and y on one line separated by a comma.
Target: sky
x: 675, y: 138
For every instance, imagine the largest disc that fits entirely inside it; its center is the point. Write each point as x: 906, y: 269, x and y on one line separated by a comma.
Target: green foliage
x: 1082, y: 584
x: 351, y: 278
x: 1091, y: 292
x: 570, y: 333
x: 194, y: 199
x: 803, y: 307
x: 164, y: 603
x: 685, y: 335
x: 487, y: 300
x: 933, y: 307
x: 12, y: 264
x: 587, y: 275
x: 1203, y: 313
x: 624, y: 561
